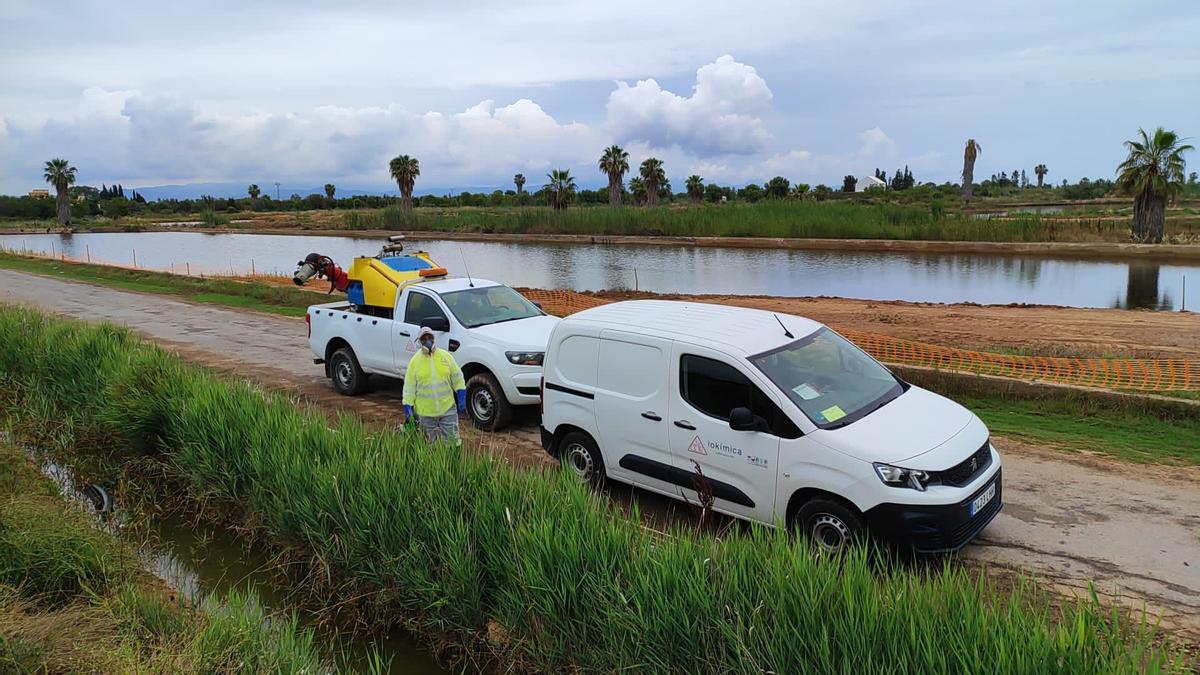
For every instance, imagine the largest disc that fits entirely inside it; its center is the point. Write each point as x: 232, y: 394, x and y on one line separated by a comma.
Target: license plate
x: 982, y: 500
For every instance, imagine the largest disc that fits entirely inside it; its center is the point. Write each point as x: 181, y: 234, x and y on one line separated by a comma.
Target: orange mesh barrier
x: 1136, y: 374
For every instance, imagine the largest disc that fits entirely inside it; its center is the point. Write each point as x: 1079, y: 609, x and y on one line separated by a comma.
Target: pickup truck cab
x: 496, y: 335
x: 778, y: 418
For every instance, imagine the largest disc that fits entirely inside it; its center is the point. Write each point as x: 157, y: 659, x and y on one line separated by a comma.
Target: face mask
x: 427, y: 344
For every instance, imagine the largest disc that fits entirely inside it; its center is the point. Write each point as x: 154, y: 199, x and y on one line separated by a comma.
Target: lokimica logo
x: 697, y: 446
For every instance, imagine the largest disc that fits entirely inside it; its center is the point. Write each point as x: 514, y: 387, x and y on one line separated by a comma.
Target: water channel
x: 917, y: 277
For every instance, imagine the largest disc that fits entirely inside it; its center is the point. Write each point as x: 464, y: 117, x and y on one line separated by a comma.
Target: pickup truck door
x: 741, y: 467
x: 412, y: 307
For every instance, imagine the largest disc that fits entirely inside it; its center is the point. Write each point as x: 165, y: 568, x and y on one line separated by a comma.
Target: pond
x: 916, y: 277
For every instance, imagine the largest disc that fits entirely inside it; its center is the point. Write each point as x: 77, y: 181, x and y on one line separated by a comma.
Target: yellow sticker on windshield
x: 833, y: 413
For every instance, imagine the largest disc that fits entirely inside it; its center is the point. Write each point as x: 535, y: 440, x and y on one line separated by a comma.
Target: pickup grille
x: 969, y: 469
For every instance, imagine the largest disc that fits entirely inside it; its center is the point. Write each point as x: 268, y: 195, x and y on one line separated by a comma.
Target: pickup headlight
x: 895, y: 476
x: 525, y: 358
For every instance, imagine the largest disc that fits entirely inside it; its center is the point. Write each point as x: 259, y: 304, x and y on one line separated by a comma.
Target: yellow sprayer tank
x: 375, y: 280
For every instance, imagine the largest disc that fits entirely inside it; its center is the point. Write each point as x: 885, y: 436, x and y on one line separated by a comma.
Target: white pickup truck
x: 496, y: 335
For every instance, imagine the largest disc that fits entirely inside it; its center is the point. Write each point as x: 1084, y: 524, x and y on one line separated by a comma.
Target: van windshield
x: 476, y: 307
x: 833, y: 382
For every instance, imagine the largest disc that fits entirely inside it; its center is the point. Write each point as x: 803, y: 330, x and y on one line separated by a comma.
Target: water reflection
x: 941, y: 277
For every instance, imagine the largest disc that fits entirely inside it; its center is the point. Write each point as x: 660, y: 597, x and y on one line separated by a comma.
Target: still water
x: 917, y: 277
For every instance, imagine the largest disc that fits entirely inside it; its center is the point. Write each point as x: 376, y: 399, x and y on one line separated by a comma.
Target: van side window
x: 421, y: 307
x: 716, y: 388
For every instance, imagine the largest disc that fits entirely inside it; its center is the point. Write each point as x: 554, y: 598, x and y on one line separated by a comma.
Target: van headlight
x: 525, y: 358
x: 895, y: 476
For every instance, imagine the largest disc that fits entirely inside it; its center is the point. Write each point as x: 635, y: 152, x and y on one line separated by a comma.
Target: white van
x: 787, y: 421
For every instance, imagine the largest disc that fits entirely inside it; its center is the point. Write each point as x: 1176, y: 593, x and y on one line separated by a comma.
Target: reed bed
x: 535, y: 568
x: 787, y: 219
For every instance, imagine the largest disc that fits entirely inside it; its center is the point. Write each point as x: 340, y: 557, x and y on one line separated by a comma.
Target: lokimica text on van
x: 787, y: 421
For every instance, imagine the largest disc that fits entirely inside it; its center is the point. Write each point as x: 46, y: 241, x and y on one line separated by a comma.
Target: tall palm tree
x: 519, y: 180
x: 561, y: 188
x: 1041, y: 172
x: 254, y: 191
x: 695, y: 188
x: 61, y: 175
x: 968, y: 175
x: 1153, y: 174
x: 653, y: 176
x: 614, y: 163
x: 404, y: 170
x: 330, y: 188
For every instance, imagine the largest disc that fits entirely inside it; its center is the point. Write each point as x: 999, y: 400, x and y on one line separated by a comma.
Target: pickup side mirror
x: 439, y: 324
x: 537, y: 304
x: 741, y: 419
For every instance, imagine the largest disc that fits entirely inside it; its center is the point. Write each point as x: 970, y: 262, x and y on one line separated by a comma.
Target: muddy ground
x: 1067, y: 519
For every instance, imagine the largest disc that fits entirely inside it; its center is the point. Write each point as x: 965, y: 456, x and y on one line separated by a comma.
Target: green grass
x: 452, y: 542
x: 834, y: 219
x: 1130, y: 428
x: 228, y: 292
x: 74, y: 599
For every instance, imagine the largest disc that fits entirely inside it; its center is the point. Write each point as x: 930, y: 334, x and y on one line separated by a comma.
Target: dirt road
x: 1135, y: 530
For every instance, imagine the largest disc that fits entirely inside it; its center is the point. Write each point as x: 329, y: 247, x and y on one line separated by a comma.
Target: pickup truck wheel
x: 487, y: 406
x: 581, y: 456
x: 830, y: 524
x: 347, y: 376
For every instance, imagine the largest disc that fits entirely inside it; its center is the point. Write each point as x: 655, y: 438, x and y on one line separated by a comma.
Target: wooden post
x: 89, y: 252
x: 252, y: 267
x: 135, y: 257
x: 189, y: 268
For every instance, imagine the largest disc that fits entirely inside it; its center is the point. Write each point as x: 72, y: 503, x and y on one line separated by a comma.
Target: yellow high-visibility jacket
x: 430, y: 382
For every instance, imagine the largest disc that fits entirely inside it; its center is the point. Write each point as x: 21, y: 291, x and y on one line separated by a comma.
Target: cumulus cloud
x: 130, y: 136
x: 875, y: 143
x: 722, y: 116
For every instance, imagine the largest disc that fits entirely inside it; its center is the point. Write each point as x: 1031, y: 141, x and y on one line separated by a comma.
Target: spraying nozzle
x: 306, y: 272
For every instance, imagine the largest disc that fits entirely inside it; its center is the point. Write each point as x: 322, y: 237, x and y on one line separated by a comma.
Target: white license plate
x: 982, y: 500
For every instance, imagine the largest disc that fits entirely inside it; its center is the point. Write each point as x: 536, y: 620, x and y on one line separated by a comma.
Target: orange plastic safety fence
x: 1135, y: 374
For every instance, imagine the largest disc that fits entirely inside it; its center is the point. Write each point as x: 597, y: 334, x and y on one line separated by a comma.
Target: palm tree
x: 519, y: 180
x: 695, y: 188
x: 1041, y: 172
x: 404, y: 170
x: 561, y: 188
x: 61, y: 175
x: 330, y: 188
x: 614, y: 163
x: 637, y: 188
x: 968, y: 175
x: 653, y: 176
x: 1153, y: 174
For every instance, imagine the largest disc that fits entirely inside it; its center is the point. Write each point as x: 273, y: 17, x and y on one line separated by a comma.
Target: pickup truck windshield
x: 833, y: 382
x: 476, y: 307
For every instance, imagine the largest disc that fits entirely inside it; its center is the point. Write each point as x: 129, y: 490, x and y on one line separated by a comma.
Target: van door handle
x: 684, y: 424
x: 404, y: 333
x: 650, y: 415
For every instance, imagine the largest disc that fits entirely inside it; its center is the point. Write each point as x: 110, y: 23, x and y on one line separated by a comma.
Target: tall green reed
x: 453, y: 543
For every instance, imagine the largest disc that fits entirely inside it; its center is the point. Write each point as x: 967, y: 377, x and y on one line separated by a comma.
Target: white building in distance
x: 867, y: 182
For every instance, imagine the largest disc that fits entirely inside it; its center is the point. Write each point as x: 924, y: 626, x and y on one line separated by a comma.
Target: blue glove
x: 461, y: 397
x: 409, y: 418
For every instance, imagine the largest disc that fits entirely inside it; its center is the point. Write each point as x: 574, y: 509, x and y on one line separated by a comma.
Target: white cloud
x: 722, y: 116
x: 876, y: 144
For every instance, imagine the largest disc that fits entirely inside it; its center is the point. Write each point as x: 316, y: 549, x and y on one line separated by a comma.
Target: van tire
x: 831, y: 524
x: 347, y: 376
x: 487, y: 406
x: 581, y: 456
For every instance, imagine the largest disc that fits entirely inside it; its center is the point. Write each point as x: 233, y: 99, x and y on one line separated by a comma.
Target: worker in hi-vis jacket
x: 434, y: 390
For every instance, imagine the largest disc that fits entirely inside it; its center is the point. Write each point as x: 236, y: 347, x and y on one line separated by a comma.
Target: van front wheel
x: 580, y: 455
x: 830, y: 524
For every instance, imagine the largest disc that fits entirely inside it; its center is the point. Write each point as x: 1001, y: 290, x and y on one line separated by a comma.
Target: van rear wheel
x: 581, y: 456
x: 830, y: 524
x: 487, y: 405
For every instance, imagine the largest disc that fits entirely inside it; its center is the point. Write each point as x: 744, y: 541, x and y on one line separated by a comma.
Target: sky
x: 152, y: 93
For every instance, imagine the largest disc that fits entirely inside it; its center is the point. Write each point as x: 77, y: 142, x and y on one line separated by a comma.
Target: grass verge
x: 228, y: 292
x: 531, y: 567
x: 74, y: 599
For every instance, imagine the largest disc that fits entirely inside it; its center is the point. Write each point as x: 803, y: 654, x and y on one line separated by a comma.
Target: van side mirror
x: 741, y: 419
x: 438, y: 324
